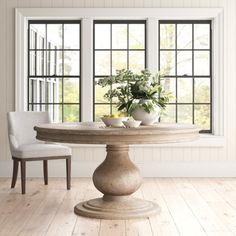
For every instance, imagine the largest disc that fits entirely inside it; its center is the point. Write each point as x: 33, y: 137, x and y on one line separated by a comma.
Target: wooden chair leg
x: 23, y: 176
x: 68, y: 172
x: 14, y: 173
x: 45, y: 171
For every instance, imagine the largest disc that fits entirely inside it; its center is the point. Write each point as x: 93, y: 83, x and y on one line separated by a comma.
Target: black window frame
x: 111, y: 49
x: 45, y: 50
x: 176, y: 76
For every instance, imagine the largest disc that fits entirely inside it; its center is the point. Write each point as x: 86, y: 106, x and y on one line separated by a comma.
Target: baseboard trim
x: 148, y: 169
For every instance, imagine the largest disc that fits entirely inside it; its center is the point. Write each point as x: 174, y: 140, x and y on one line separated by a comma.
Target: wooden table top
x: 97, y: 133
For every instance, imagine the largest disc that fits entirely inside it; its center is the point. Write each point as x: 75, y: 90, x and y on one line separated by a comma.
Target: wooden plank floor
x: 189, y: 206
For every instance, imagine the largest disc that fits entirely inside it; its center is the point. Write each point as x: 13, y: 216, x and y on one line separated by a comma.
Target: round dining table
x: 117, y: 177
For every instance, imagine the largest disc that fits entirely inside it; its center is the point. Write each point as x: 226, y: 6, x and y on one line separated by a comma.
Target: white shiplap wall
x: 164, y: 161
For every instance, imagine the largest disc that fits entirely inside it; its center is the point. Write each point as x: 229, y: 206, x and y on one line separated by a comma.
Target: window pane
x: 56, y: 90
x: 202, y: 36
x: 32, y: 60
x: 202, y: 90
x: 169, y: 85
x: 136, y: 61
x: 119, y: 36
x: 191, y: 71
x: 99, y: 93
x: 41, y: 90
x: 185, y: 90
x: 54, y: 62
x: 71, y: 90
x: 54, y: 35
x: 33, y: 36
x: 102, y: 36
x: 71, y: 62
x: 167, y: 62
x: 136, y: 36
x: 167, y: 39
x: 60, y: 86
x: 119, y: 54
x: 202, y: 116
x: 41, y: 42
x: 169, y: 115
x: 184, y: 36
x: 37, y: 31
x: 55, y: 112
x: 101, y: 110
x: 102, y: 63
x: 115, y: 109
x: 33, y: 90
x: 71, y: 113
x: 184, y: 63
x: 40, y: 62
x: 185, y: 114
x: 49, y: 90
x: 71, y: 36
x: 119, y: 61
x: 201, y: 63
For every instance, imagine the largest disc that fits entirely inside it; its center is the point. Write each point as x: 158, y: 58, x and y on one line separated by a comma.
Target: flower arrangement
x: 135, y: 90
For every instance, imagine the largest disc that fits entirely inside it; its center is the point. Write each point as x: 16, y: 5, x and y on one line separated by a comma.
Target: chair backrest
x: 21, y: 127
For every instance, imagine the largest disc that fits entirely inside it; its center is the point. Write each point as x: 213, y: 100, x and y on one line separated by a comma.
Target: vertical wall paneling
x: 3, y: 80
x: 68, y: 3
x: 166, y: 3
x: 23, y: 3
x: 34, y: 3
x: 107, y: 3
x: 98, y: 3
x: 128, y: 3
x: 144, y: 154
x: 187, y: 3
x: 46, y: 3
x: 79, y: 3
x: 231, y: 83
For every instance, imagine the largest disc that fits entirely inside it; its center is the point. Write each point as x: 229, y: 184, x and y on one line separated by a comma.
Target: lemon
x: 114, y: 116
x: 122, y: 114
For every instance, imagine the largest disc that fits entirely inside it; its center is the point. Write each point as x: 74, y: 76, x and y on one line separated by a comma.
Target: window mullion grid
x: 63, y: 61
x: 176, y: 79
x: 128, y: 46
x: 128, y: 51
x: 28, y: 69
x: 111, y: 64
x: 193, y: 79
x: 46, y: 64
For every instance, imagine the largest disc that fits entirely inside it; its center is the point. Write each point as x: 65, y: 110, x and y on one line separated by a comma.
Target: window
x: 185, y: 52
x: 37, y: 88
x: 117, y: 45
x: 54, y: 68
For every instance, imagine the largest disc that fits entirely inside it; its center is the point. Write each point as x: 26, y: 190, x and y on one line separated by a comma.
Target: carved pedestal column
x: 117, y: 178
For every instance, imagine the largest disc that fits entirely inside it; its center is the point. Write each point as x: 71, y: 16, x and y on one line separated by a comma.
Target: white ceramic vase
x: 146, y: 118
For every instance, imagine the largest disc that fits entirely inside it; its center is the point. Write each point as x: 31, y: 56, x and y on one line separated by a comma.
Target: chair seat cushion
x: 41, y: 150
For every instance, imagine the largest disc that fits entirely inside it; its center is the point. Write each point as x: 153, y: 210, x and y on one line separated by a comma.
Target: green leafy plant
x: 135, y: 90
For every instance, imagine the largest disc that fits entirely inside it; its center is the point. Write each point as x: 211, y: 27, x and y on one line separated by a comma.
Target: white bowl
x: 132, y: 123
x: 114, y: 121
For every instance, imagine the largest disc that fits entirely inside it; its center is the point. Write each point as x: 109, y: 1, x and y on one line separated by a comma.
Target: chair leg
x: 15, y: 173
x: 45, y: 171
x: 23, y: 176
x: 68, y: 172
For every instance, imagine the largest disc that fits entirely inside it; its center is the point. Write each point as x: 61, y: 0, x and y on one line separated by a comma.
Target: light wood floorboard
x: 189, y: 207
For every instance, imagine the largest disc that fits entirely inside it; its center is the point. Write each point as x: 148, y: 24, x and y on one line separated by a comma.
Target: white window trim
x: 152, y: 15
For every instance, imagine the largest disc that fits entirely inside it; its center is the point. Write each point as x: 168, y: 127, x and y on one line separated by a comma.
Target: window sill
x: 205, y: 141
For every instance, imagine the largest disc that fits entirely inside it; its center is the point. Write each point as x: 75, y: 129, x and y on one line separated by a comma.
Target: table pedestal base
x: 110, y: 207
x: 117, y: 178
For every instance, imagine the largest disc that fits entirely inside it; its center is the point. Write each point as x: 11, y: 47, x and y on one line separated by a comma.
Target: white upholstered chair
x: 25, y: 147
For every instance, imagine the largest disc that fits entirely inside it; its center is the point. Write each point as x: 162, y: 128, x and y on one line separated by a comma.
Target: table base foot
x: 117, y: 208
